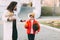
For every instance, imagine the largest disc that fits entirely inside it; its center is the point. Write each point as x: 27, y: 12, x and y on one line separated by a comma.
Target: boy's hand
x: 22, y: 20
x: 36, y: 32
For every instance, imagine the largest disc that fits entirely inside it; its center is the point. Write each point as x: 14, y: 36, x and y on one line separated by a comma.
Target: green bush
x: 46, y: 11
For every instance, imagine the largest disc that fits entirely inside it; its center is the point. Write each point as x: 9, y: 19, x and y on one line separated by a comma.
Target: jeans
x: 14, y: 33
x: 31, y: 36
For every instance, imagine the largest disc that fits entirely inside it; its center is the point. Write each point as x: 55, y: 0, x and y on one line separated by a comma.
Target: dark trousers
x: 14, y: 32
x: 31, y: 36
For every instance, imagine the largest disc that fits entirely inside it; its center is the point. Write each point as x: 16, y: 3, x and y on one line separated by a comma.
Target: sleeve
x: 26, y: 24
x: 38, y: 26
x: 17, y: 12
x: 4, y: 18
x: 18, y: 19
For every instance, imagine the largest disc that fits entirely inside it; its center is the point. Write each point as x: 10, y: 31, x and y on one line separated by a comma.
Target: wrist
x: 8, y: 19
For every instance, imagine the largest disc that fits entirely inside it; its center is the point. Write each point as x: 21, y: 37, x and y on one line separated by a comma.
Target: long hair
x: 12, y: 6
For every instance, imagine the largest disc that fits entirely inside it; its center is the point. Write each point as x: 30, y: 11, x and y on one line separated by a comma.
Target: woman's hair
x: 12, y: 6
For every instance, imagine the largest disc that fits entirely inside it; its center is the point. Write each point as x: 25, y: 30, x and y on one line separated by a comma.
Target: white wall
x: 37, y: 10
x: 36, y: 5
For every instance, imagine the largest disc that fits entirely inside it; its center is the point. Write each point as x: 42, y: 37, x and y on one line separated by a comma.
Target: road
x: 44, y: 34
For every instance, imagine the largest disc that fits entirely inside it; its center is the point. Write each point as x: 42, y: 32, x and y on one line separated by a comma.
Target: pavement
x: 46, y: 33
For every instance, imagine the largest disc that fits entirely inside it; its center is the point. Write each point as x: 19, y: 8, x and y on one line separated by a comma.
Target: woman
x: 9, y: 19
x: 29, y: 26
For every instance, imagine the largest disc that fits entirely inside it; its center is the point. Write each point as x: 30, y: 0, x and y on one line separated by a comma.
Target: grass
x: 52, y: 24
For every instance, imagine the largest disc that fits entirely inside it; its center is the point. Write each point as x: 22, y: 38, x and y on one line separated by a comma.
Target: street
x: 44, y: 34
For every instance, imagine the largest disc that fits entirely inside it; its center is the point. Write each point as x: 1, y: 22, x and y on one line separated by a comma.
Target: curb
x: 49, y: 27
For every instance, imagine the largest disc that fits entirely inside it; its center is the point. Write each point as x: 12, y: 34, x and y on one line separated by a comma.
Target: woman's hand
x: 11, y: 19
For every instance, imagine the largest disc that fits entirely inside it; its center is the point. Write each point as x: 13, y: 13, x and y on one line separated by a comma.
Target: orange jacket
x: 28, y: 26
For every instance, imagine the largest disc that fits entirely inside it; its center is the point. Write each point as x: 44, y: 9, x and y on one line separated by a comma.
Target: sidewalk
x: 49, y: 18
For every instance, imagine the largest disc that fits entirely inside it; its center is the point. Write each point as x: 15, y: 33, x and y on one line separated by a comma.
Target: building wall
x: 50, y: 3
